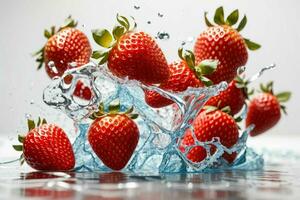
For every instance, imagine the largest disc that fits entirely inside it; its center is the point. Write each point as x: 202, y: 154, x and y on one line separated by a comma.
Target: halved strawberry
x: 132, y: 54
x: 224, y: 43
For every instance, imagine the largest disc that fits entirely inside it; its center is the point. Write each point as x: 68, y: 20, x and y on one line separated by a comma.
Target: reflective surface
x: 278, y: 180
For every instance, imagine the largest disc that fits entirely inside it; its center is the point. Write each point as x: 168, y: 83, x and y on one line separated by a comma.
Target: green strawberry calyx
x: 114, y: 108
x: 204, y: 68
x: 69, y: 22
x: 231, y: 20
x: 107, y: 39
x: 282, y: 97
x: 243, y: 85
x: 21, y: 138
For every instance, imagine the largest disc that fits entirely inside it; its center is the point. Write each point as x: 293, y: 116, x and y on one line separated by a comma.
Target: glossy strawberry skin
x: 224, y: 44
x: 233, y: 97
x: 263, y: 112
x: 114, y: 139
x: 138, y: 56
x: 47, y: 147
x: 67, y: 46
x: 181, y: 77
x: 209, y: 125
x: 82, y: 91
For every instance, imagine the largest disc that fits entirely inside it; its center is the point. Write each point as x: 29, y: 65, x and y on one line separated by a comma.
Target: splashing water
x: 161, y: 130
x: 162, y: 35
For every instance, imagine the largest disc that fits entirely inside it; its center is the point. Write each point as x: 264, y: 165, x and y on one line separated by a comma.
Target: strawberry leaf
x: 242, y: 24
x: 44, y: 121
x: 208, y: 66
x: 103, y: 38
x: 104, y: 58
x: 219, y: 16
x: 123, y: 21
x: 47, y: 34
x: 31, y: 124
x: 283, y: 96
x: 133, y: 116
x: 21, y: 138
x: 18, y: 147
x: 180, y: 53
x: 209, y: 109
x: 118, y: 31
x: 252, y: 45
x: 98, y: 54
x: 233, y: 18
x: 207, y: 22
x: 114, y: 107
x: 206, y: 81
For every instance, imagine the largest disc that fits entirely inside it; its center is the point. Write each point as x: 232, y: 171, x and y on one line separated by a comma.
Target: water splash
x: 161, y: 130
x: 162, y: 35
x: 160, y: 15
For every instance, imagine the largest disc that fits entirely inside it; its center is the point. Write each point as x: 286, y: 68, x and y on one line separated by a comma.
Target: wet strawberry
x: 183, y: 74
x: 264, y: 109
x: 131, y: 54
x: 224, y: 43
x: 208, y: 125
x: 64, y: 46
x: 46, y: 147
x: 113, y: 137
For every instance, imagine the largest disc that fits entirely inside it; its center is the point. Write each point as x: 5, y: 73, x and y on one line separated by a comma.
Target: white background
x: 272, y: 23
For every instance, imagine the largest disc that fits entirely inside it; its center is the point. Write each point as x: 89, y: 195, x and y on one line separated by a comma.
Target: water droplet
x: 52, y: 66
x: 162, y: 35
x: 28, y: 116
x: 183, y: 43
x: 148, y: 22
x: 83, y: 25
x: 160, y: 14
x: 31, y: 102
x: 136, y: 7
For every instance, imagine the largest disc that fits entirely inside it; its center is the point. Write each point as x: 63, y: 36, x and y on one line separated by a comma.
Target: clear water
x: 161, y: 130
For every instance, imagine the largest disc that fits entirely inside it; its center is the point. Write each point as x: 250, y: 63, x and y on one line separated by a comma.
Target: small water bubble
x: 136, y: 7
x: 31, y: 102
x: 160, y: 14
x: 83, y: 25
x: 162, y: 35
x: 148, y: 22
x: 183, y: 43
x: 52, y: 66
x: 28, y: 116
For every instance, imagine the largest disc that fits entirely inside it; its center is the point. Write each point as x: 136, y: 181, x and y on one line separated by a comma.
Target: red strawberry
x: 46, y: 147
x: 82, y: 91
x: 113, y: 137
x: 132, y: 54
x: 224, y: 43
x: 209, y: 124
x: 182, y: 75
x: 264, y: 109
x: 63, y: 47
x: 234, y: 96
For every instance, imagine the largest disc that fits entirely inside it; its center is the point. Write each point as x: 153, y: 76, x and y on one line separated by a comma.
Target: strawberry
x: 183, y: 74
x: 82, y: 91
x: 132, y: 54
x: 209, y: 124
x: 264, y: 109
x: 46, y: 147
x: 224, y: 43
x: 64, y: 46
x: 114, y: 137
x: 234, y: 96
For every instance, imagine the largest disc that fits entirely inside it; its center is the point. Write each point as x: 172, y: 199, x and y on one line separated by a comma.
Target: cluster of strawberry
x: 218, y: 53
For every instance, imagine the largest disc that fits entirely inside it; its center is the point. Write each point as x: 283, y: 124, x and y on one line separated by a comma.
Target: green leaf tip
x: 103, y: 37
x: 283, y: 96
x: 219, y: 16
x: 252, y: 45
x: 233, y: 18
